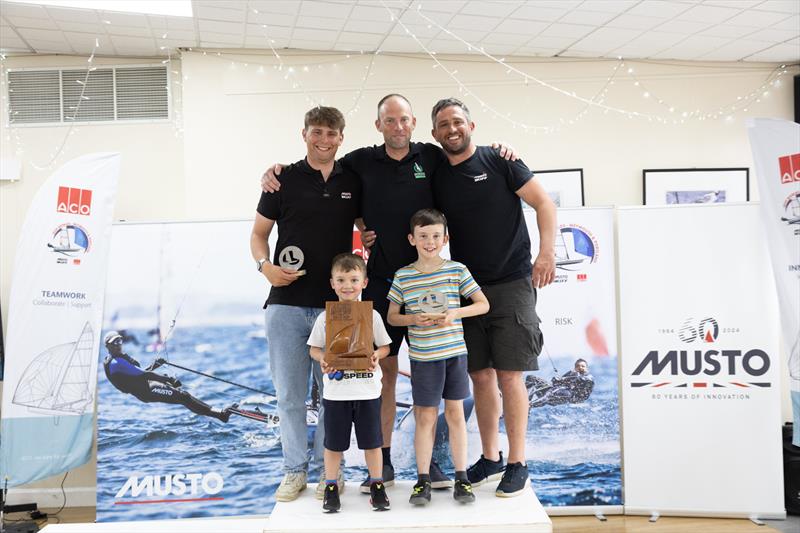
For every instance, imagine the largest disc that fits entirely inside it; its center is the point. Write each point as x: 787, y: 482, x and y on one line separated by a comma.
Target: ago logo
x: 703, y: 363
x: 74, y: 201
x: 790, y: 168
x: 159, y: 488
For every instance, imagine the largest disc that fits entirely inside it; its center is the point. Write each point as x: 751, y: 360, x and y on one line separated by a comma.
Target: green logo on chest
x: 419, y: 173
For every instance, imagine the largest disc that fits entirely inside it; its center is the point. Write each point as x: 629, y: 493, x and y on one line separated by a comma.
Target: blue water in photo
x: 573, y: 450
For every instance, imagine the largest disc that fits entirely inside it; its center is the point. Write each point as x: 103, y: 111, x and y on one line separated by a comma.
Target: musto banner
x: 184, y: 340
x: 776, y: 152
x: 700, y: 367
x: 53, y: 326
x: 573, y: 432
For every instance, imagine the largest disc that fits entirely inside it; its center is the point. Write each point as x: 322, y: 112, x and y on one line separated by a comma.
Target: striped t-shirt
x: 451, y: 279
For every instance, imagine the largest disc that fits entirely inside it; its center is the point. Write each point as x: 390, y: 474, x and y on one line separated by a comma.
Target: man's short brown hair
x: 330, y: 117
x: 349, y: 262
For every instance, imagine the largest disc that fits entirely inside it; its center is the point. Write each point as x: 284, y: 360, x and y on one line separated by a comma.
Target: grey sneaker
x: 438, y: 479
x: 388, y: 479
x: 291, y: 486
x: 320, y: 491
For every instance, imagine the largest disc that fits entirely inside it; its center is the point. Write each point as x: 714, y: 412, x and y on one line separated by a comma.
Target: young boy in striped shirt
x: 430, y: 289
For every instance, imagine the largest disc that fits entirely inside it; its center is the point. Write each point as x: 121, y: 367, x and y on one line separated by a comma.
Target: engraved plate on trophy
x: 348, y: 335
x: 292, y: 258
x: 433, y: 302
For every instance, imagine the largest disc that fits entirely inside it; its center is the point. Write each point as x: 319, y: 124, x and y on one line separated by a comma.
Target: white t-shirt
x: 351, y: 384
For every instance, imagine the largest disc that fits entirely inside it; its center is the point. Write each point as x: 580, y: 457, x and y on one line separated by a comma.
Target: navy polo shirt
x: 392, y: 192
x: 316, y: 216
x: 487, y: 228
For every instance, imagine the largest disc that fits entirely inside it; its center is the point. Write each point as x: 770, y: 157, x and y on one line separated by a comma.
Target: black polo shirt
x: 316, y: 216
x: 392, y: 192
x: 487, y: 228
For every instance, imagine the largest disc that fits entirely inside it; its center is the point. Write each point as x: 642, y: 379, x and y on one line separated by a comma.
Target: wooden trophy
x: 348, y: 335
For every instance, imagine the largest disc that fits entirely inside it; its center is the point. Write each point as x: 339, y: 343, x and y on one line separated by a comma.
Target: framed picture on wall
x: 666, y: 186
x: 564, y: 186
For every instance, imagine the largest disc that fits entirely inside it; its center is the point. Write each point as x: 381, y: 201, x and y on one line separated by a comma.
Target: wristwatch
x: 260, y: 264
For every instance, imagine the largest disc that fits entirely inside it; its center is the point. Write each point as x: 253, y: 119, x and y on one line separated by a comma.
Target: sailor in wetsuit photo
x: 575, y: 386
x: 126, y: 374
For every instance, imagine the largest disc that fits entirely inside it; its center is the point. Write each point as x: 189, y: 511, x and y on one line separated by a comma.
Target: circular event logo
x: 70, y: 239
x: 576, y: 247
x: 791, y: 209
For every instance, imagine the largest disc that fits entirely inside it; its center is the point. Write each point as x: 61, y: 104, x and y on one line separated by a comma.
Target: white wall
x: 239, y: 114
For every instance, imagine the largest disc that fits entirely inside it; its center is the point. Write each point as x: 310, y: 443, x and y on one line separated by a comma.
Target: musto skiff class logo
x: 171, y: 488
x: 69, y: 241
x: 576, y: 248
x: 791, y: 211
x: 701, y: 363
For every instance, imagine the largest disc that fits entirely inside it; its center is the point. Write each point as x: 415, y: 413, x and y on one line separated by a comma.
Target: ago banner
x: 573, y: 439
x: 776, y: 152
x: 54, y: 320
x: 700, y: 366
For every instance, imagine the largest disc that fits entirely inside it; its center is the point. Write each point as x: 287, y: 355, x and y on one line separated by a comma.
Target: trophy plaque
x: 292, y: 258
x: 348, y: 335
x: 433, y: 303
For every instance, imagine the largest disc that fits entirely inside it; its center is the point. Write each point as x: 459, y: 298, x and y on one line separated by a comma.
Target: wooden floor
x: 561, y: 524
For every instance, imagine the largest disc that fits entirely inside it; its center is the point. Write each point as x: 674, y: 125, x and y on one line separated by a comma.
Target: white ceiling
x: 707, y: 30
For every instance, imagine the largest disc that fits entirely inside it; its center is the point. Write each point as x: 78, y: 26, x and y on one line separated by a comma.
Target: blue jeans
x: 288, y: 328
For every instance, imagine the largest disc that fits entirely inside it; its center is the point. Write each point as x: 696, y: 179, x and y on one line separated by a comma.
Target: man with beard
x: 480, y: 194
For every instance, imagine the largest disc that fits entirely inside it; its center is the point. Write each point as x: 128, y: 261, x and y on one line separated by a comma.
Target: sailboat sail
x: 562, y: 252
x: 58, y: 379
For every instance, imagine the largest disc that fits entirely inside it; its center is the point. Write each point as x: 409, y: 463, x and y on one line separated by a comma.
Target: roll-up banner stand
x: 573, y: 443
x: 55, y: 309
x: 699, y: 363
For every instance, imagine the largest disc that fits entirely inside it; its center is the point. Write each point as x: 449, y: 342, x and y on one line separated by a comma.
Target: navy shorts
x: 340, y: 415
x: 376, y: 291
x: 433, y: 380
x: 508, y: 336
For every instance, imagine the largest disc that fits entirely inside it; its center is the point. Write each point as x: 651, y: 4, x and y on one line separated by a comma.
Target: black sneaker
x: 378, y: 497
x: 388, y: 479
x: 514, y: 481
x: 462, y: 491
x: 330, y: 502
x: 438, y: 479
x: 485, y: 470
x: 421, y: 494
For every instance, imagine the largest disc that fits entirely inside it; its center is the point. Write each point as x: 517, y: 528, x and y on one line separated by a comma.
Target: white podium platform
x: 443, y: 514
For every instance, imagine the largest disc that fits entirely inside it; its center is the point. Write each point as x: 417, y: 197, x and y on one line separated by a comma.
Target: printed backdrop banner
x: 188, y: 293
x: 700, y: 377
x: 573, y: 444
x: 776, y: 152
x: 54, y: 321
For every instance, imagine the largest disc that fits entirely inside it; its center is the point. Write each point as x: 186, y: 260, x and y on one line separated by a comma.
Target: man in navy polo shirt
x: 314, y: 212
x: 479, y: 193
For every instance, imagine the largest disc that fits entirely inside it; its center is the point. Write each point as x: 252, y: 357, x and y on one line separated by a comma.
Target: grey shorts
x: 508, y: 336
x: 433, y: 380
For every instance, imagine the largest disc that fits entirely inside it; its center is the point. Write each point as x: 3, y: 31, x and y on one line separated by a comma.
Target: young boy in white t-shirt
x: 352, y: 396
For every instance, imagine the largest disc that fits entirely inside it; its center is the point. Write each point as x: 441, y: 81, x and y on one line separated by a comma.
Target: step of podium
x: 442, y: 514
